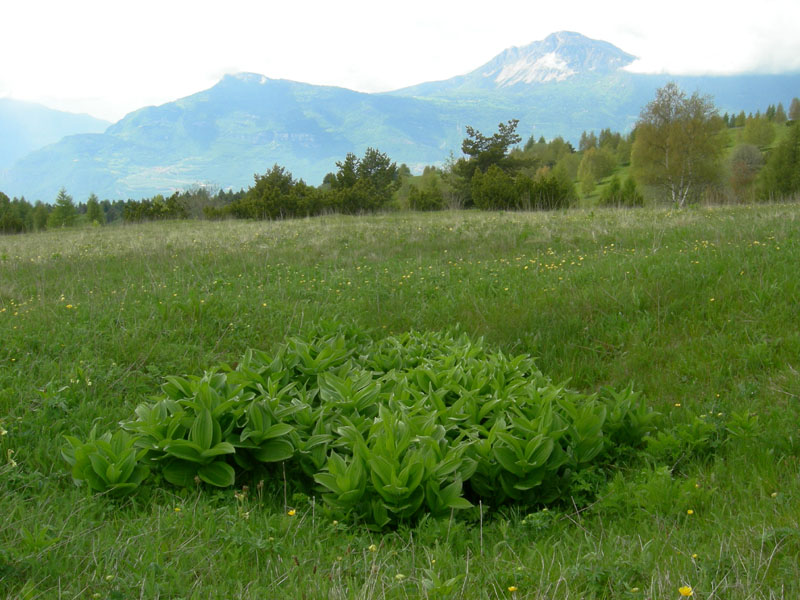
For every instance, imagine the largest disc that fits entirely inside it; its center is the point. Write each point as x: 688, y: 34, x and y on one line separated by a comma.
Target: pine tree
x: 780, y: 114
x: 588, y: 140
x: 794, y: 109
x: 64, y: 213
x: 41, y: 213
x: 630, y: 194
x: 94, y: 212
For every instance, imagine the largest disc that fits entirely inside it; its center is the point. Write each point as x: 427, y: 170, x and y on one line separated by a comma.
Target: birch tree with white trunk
x: 678, y: 144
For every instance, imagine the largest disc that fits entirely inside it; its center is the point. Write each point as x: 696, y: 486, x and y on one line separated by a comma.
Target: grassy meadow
x: 699, y: 309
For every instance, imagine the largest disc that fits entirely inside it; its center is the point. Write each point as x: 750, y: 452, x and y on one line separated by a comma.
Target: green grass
x: 698, y: 308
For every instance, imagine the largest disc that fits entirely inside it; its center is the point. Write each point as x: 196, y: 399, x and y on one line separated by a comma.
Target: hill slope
x: 26, y: 126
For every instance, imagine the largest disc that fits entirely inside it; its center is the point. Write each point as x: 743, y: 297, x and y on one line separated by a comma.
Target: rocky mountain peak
x: 558, y: 57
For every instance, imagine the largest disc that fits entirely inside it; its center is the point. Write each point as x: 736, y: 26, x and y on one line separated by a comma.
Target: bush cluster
x: 360, y: 185
x: 384, y: 431
x: 621, y: 194
x: 497, y: 190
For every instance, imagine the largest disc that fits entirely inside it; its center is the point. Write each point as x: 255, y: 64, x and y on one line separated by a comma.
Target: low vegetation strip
x: 696, y: 307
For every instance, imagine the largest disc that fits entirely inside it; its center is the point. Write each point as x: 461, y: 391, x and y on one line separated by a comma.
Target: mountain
x: 562, y: 85
x: 25, y: 126
x: 559, y: 57
x: 568, y: 83
x: 224, y: 135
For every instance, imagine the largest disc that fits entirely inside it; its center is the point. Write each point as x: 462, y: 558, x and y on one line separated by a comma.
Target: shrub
x: 494, y: 190
x: 616, y: 194
x: 384, y: 431
x: 427, y: 197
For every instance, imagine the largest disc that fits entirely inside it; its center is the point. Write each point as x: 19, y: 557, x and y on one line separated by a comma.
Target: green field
x: 698, y: 308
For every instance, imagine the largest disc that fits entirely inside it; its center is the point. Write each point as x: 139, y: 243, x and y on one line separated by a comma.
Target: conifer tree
x: 780, y: 114
x: 64, y: 213
x: 794, y: 109
x: 94, y: 212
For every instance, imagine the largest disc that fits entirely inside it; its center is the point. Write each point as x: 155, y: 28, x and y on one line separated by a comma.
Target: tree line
x: 681, y: 150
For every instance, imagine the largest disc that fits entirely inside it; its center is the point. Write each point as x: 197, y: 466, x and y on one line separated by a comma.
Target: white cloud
x: 108, y: 58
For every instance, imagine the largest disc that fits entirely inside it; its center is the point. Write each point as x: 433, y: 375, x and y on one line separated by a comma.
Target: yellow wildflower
x: 512, y: 588
x: 690, y: 512
x: 372, y: 548
x: 686, y: 591
x: 292, y: 512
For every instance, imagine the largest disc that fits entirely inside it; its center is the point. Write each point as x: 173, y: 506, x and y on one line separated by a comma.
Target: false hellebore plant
x: 384, y: 431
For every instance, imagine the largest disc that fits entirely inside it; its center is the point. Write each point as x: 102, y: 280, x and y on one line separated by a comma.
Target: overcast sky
x: 109, y: 57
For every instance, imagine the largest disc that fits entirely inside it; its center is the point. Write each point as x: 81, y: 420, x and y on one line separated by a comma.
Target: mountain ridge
x: 241, y: 126
x: 27, y: 126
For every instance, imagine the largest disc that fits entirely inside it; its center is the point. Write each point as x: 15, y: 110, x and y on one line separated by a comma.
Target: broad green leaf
x: 450, y: 492
x: 356, y: 477
x: 202, y: 432
x: 99, y: 464
x: 380, y: 517
x: 126, y: 465
x: 221, y: 448
x: 393, y: 493
x: 351, y: 497
x: 590, y: 422
x: 557, y: 458
x: 459, y: 503
x: 530, y: 481
x: 180, y: 473
x: 508, y: 460
x: 218, y: 473
x: 587, y: 450
x: 277, y: 430
x: 176, y: 388
x: 112, y: 474
x: 257, y: 420
x: 382, y: 471
x: 121, y: 489
x: 95, y: 482
x: 329, y: 481
x: 413, y: 473
x: 185, y: 450
x: 316, y: 440
x: 274, y: 451
x: 538, y: 450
